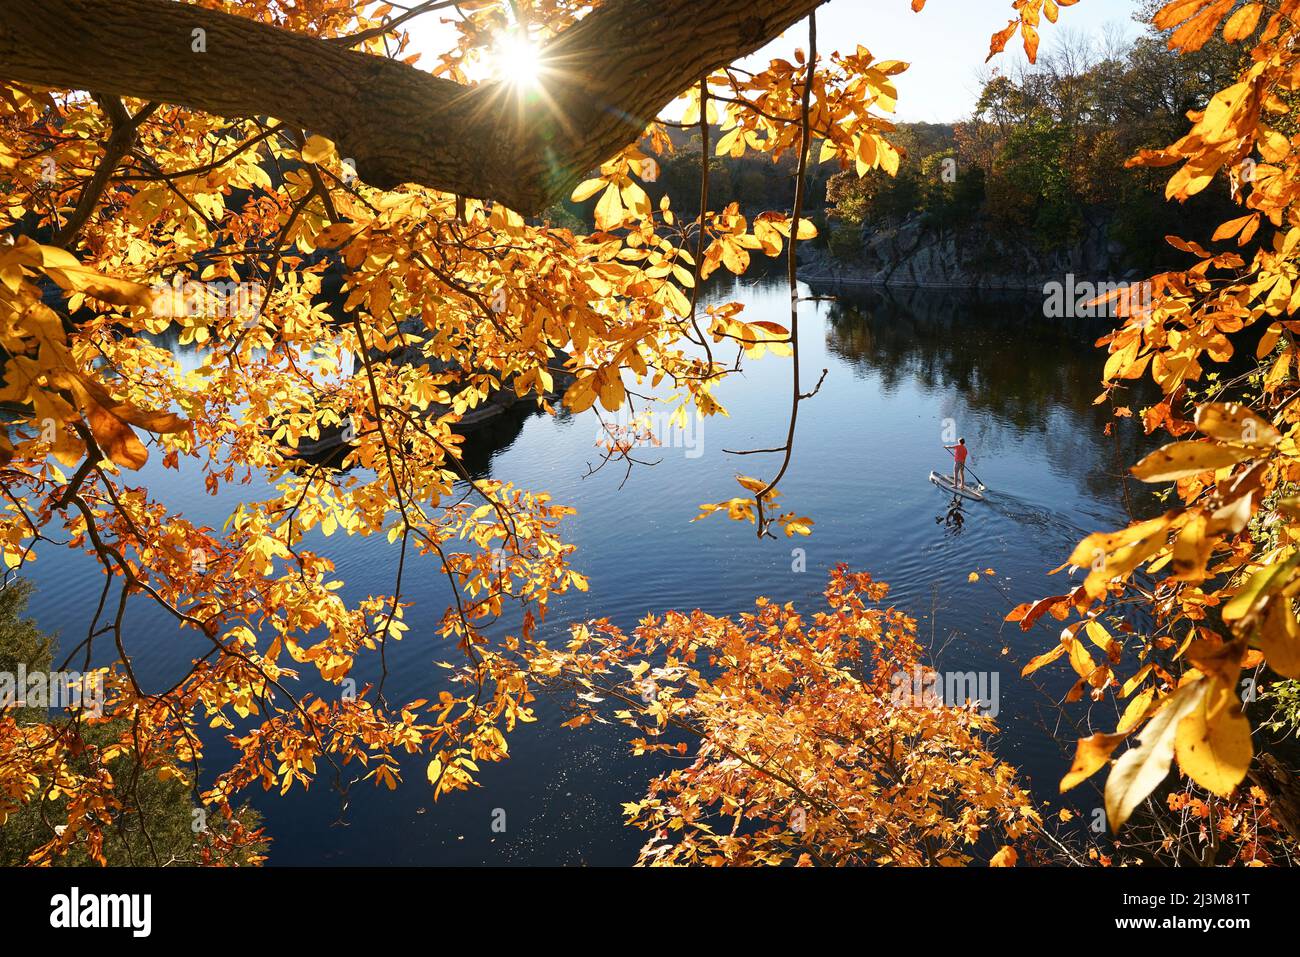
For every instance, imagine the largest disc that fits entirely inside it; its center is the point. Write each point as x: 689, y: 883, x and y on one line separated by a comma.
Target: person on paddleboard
x: 959, y: 452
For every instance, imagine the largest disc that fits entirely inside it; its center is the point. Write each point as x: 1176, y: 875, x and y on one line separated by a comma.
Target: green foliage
x: 878, y: 198
x: 1048, y: 145
x: 156, y: 825
x: 21, y: 642
x: 949, y: 195
x: 1283, y: 700
x: 1031, y: 186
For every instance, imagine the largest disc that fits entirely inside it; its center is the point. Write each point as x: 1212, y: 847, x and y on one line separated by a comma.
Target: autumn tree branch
x: 792, y: 264
x: 606, y: 78
x: 119, y: 144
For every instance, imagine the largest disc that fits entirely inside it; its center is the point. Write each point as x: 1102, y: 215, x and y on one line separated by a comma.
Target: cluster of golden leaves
x: 1227, y: 552
x: 199, y: 211
x: 800, y: 748
x: 1029, y: 17
x: 212, y: 204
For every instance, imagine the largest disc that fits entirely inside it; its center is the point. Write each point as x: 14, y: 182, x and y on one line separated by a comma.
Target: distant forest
x: 1045, y: 148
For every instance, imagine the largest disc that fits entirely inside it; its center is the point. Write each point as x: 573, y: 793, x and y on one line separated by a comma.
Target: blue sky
x: 946, y: 43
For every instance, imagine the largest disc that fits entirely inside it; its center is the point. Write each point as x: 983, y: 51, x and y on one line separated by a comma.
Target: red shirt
x: 960, y: 451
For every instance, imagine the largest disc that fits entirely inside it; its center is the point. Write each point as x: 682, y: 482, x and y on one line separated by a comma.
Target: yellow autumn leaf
x: 1088, y: 551
x: 1080, y: 660
x: 584, y: 191
x: 1090, y: 755
x: 609, y: 211
x: 317, y: 149
x: 1043, y: 659
x: 1232, y: 422
x: 1182, y: 459
x: 1136, y: 711
x: 889, y: 158
x: 1242, y: 23
x: 1213, y: 740
x: 1139, y: 770
x: 1098, y: 634
x: 96, y: 285
x: 1279, y: 638
x: 1006, y: 857
x: 1249, y: 597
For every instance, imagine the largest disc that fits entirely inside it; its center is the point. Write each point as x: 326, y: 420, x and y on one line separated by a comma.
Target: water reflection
x: 1019, y: 387
x: 953, y: 518
x: 1031, y: 374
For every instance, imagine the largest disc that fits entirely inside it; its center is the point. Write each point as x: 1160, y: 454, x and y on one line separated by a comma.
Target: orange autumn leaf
x: 1090, y: 756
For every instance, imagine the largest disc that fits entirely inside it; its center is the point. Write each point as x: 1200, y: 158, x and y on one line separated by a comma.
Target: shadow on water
x: 496, y: 436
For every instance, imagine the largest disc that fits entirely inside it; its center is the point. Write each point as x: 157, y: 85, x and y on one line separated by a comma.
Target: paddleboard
x: 945, y: 482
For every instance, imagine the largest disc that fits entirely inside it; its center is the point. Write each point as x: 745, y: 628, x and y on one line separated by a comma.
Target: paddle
x: 978, y: 481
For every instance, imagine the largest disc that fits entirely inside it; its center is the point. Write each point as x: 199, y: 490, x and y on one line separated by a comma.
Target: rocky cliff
x: 913, y: 254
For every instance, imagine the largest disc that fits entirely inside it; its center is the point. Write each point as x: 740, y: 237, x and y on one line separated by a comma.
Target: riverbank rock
x: 914, y: 254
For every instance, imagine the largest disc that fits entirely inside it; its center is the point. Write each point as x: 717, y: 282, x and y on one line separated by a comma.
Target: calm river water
x: 1018, y: 386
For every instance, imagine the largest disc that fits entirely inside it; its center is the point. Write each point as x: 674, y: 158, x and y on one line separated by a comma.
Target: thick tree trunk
x: 607, y: 77
x: 1283, y: 789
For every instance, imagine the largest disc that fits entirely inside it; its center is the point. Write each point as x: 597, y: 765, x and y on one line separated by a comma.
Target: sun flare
x: 517, y: 60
